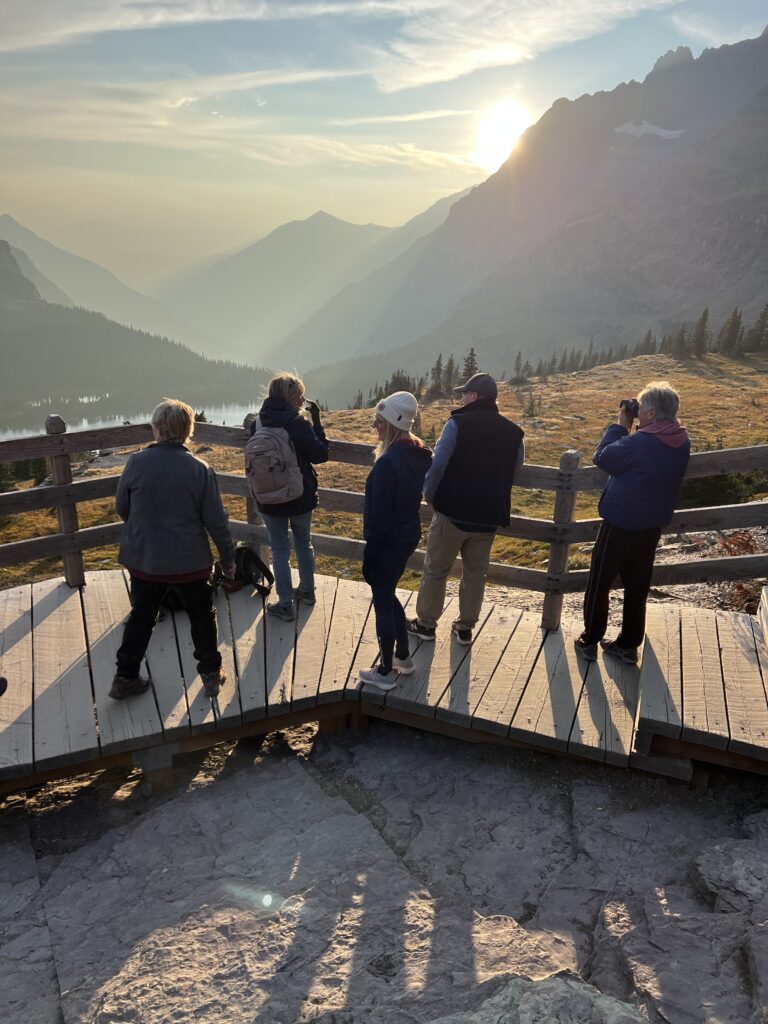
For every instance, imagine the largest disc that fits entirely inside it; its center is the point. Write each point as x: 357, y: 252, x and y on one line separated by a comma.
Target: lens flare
x: 498, y: 129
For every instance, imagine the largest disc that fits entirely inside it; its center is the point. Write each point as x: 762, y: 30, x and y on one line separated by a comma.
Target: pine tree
x: 728, y: 338
x: 700, y: 336
x: 527, y: 370
x: 562, y: 363
x: 517, y: 377
x: 436, y: 378
x: 679, y: 349
x: 450, y: 376
x: 756, y: 338
x: 470, y: 367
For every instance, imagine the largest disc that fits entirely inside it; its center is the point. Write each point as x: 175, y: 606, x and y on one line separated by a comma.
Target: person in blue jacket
x: 282, y: 408
x: 392, y: 529
x: 645, y: 471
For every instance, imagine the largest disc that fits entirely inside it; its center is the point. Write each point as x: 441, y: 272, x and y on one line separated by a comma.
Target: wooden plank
x: 605, y: 716
x: 745, y: 694
x: 313, y: 622
x: 16, y: 752
x: 548, y: 705
x: 661, y: 685
x: 64, y: 722
x: 64, y: 494
x: 246, y: 614
x: 125, y: 724
x: 497, y: 706
x: 281, y: 647
x: 700, y: 570
x: 434, y: 666
x: 467, y: 686
x: 350, y: 612
x: 226, y: 707
x: 689, y: 520
x: 705, y: 719
x: 167, y: 681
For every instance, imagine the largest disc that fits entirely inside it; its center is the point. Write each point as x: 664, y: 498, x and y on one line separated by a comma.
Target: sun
x: 498, y: 129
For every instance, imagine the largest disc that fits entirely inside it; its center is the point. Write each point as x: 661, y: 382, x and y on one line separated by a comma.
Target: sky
x: 149, y: 135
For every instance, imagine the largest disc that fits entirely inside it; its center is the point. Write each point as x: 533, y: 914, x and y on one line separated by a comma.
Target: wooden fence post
x: 61, y: 469
x: 565, y: 502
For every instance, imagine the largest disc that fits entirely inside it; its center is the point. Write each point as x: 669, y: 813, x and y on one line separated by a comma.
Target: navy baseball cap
x: 482, y: 384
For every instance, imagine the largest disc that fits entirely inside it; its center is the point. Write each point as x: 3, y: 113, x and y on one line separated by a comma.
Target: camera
x: 631, y: 405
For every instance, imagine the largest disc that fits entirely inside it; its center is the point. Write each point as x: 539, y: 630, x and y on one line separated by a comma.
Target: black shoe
x: 128, y: 686
x: 212, y: 682
x: 415, y: 628
x: 463, y: 634
x: 282, y: 611
x: 587, y: 651
x: 626, y: 654
x: 304, y: 596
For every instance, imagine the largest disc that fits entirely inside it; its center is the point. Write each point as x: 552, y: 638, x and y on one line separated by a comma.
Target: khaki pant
x: 444, y: 543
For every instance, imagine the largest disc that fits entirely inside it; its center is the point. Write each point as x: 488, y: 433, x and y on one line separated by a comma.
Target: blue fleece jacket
x: 393, y: 497
x: 644, y: 478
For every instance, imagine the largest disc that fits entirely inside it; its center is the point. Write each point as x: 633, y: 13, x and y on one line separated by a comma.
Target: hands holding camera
x: 629, y: 409
x: 314, y: 411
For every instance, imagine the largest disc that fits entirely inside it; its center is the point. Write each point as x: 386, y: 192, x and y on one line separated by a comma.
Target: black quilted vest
x: 477, y: 481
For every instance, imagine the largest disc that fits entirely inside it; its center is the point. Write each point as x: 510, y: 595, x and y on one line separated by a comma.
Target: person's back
x: 169, y: 499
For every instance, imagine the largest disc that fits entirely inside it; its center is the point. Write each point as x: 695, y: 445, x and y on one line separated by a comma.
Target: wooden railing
x: 559, y: 533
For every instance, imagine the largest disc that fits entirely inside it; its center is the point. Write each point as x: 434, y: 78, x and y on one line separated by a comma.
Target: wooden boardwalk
x: 700, y: 692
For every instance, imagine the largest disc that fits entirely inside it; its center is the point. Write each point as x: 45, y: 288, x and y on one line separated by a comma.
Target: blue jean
x: 301, y: 527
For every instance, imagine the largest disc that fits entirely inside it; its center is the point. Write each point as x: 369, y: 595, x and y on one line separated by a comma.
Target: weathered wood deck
x: 700, y: 691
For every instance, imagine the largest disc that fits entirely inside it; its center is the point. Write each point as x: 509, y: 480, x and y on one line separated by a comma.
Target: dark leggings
x: 382, y: 573
x: 197, y: 599
x: 629, y: 555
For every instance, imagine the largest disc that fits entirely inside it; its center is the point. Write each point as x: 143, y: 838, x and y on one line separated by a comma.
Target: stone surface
x: 387, y: 877
x: 30, y: 993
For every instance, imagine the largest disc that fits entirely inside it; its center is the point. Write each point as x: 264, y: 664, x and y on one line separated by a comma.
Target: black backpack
x: 249, y: 571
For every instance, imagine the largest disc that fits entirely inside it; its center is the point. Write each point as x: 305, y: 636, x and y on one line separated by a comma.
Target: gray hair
x: 174, y: 420
x: 661, y: 396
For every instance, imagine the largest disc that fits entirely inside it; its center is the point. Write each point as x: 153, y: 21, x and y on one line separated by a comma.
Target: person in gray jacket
x: 170, y: 502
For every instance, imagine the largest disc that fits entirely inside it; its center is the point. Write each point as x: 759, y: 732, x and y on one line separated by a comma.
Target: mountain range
x: 617, y: 213
x: 64, y: 355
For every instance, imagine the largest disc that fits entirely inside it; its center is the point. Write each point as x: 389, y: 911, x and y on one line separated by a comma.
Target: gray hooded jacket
x: 170, y: 501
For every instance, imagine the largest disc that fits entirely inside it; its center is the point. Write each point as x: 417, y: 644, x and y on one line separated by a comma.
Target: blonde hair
x: 391, y: 434
x: 174, y: 420
x: 661, y: 396
x: 286, y: 386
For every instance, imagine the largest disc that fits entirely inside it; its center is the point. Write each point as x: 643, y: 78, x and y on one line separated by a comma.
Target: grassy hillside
x: 724, y: 404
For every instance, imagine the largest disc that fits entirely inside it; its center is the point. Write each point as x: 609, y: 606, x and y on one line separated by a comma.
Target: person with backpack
x: 170, y: 502
x: 392, y: 529
x: 279, y: 461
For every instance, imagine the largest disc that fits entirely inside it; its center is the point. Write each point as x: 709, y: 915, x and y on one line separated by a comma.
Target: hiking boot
x: 463, y: 634
x: 212, y: 682
x: 415, y: 628
x: 626, y: 654
x: 375, y: 677
x: 282, y: 611
x: 586, y: 650
x: 304, y: 596
x: 402, y: 665
x: 128, y: 686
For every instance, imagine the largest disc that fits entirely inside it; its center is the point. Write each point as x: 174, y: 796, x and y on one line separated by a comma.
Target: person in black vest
x: 469, y: 486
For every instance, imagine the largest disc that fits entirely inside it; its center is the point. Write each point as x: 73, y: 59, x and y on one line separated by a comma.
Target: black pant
x: 629, y: 555
x: 197, y: 599
x: 382, y: 573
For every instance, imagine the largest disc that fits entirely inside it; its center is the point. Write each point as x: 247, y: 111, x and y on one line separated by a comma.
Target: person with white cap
x: 392, y: 529
x: 469, y: 486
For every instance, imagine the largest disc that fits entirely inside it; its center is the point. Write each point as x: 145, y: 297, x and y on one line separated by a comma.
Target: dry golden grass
x: 723, y: 405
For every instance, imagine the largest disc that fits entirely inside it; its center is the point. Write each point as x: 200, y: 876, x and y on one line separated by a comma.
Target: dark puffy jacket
x: 645, y: 477
x: 393, y: 497
x: 311, y: 447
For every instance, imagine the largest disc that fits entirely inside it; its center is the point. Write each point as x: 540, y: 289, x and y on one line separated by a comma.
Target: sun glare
x: 498, y: 129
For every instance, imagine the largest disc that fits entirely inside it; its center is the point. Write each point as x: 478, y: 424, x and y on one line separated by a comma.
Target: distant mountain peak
x: 682, y: 55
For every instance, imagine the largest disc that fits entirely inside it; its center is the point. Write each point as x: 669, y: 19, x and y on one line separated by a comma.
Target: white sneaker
x: 381, y: 681
x: 402, y: 665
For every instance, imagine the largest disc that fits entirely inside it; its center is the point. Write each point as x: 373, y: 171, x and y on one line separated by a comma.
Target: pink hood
x: 670, y: 432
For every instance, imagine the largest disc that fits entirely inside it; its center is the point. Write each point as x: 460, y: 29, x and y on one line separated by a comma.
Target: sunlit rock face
x: 390, y: 877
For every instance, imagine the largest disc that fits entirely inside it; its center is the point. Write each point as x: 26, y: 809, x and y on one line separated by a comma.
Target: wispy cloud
x: 419, y: 115
x: 429, y: 40
x: 705, y: 30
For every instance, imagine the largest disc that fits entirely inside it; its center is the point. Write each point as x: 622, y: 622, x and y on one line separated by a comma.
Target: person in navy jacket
x: 645, y: 471
x: 392, y: 529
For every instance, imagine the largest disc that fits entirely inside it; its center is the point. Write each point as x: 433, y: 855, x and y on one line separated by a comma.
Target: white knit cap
x: 398, y: 409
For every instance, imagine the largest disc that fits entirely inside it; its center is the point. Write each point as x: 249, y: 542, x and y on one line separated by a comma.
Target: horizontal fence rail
x: 559, y: 533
